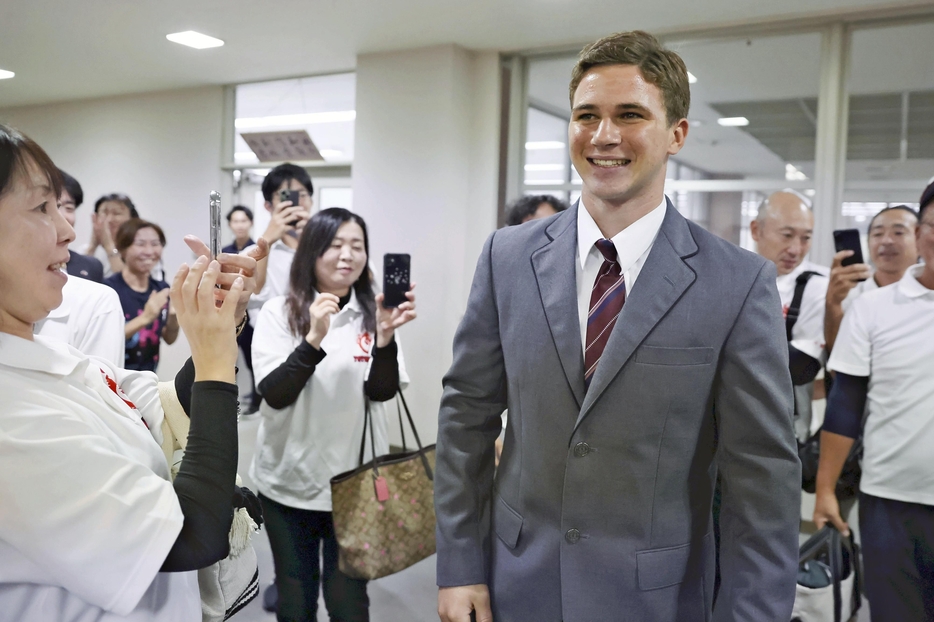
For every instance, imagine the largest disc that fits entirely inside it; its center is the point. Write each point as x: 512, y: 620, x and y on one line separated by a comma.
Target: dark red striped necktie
x: 606, y: 302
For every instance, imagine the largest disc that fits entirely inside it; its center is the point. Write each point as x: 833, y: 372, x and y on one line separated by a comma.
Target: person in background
x: 71, y: 199
x: 92, y: 527
x: 892, y: 250
x: 317, y: 351
x: 884, y: 358
x: 149, y: 315
x: 284, y: 229
x: 110, y: 211
x: 240, y: 221
x: 533, y: 207
x: 782, y: 231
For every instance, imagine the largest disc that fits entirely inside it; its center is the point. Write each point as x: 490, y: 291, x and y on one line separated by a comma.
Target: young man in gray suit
x: 637, y: 355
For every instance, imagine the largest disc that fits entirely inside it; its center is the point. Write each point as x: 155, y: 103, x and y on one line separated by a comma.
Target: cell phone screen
x: 395, y: 278
x: 848, y: 240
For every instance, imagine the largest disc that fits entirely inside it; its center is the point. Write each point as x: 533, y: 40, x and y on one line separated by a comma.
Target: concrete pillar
x: 425, y: 178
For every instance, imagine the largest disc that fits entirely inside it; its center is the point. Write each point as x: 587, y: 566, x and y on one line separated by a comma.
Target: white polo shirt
x: 869, y: 285
x: 808, y: 332
x: 302, y: 446
x: 89, y: 319
x: 888, y: 335
x: 87, y: 514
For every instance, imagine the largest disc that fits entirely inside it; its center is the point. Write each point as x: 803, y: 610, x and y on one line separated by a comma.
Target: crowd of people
x: 651, y: 371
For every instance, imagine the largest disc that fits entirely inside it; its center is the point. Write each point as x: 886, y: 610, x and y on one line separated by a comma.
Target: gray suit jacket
x: 601, y: 507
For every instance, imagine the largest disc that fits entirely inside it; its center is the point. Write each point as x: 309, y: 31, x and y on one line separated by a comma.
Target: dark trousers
x: 245, y: 341
x: 295, y: 537
x: 898, y: 557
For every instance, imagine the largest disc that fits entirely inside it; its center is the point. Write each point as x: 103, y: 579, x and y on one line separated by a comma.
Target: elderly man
x: 637, y: 354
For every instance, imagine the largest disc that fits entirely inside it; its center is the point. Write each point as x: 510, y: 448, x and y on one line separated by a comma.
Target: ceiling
x: 74, y: 50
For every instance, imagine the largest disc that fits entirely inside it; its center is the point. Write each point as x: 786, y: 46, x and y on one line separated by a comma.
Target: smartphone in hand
x: 291, y: 196
x: 215, y: 237
x: 395, y: 278
x: 848, y: 240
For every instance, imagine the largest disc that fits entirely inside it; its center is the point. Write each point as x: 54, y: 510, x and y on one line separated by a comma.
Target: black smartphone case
x: 395, y: 278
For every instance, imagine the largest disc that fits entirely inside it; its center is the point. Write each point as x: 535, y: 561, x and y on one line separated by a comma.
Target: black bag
x: 829, y: 578
x: 847, y: 484
x: 809, y: 450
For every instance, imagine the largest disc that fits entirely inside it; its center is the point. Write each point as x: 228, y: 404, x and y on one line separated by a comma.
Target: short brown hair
x: 128, y: 230
x: 658, y: 65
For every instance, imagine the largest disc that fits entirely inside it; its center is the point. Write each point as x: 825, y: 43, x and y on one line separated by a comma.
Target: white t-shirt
x: 888, y: 335
x: 861, y: 288
x: 633, y: 245
x: 302, y: 446
x: 89, y: 319
x: 808, y: 332
x: 88, y: 514
x: 278, y: 268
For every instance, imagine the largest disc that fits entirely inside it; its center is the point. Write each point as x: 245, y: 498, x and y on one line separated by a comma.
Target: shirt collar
x: 630, y: 243
x: 909, y: 285
x: 41, y: 354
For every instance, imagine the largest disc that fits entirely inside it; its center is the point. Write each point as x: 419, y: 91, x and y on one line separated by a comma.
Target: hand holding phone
x: 291, y: 196
x: 848, y: 240
x: 395, y: 278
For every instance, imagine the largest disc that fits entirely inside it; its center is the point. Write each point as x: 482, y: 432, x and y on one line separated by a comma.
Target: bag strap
x: 836, y: 571
x: 368, y: 424
x: 401, y: 427
x: 795, y: 309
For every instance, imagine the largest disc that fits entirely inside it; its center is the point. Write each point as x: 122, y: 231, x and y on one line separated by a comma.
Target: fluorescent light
x: 544, y: 144
x: 247, y: 157
x: 793, y: 174
x: 194, y: 40
x: 308, y: 118
x: 733, y: 121
x: 330, y: 153
x: 691, y: 78
x: 4, y: 74
x: 544, y: 167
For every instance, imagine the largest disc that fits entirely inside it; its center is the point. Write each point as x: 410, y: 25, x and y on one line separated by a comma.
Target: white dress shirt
x: 808, y: 332
x: 633, y: 245
x: 278, y: 270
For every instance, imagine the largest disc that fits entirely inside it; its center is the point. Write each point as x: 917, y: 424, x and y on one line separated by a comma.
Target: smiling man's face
x: 619, y: 136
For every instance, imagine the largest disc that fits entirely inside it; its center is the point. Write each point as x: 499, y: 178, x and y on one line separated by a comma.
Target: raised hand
x: 388, y: 320
x: 208, y: 327
x: 320, y: 312
x: 280, y: 222
x: 154, y: 305
x: 232, y: 266
x: 844, y: 278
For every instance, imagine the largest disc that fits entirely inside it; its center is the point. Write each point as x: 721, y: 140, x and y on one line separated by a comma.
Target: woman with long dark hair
x: 315, y: 353
x: 91, y: 527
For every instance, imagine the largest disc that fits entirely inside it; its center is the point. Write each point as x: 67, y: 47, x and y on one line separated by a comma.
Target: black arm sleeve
x: 282, y: 386
x: 804, y: 367
x: 184, y: 380
x: 383, y: 381
x: 206, y: 479
x: 845, y: 405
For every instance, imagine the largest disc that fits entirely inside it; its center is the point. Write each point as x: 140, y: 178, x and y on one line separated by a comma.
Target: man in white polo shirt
x: 782, y: 231
x: 884, y: 353
x: 892, y: 250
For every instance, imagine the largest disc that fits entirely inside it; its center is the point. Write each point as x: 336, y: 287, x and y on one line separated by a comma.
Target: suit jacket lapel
x: 557, y: 285
x: 662, y: 281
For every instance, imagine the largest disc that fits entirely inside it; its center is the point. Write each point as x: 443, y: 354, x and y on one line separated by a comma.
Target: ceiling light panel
x: 733, y: 121
x: 295, y: 119
x: 691, y: 78
x: 4, y: 74
x: 194, y: 40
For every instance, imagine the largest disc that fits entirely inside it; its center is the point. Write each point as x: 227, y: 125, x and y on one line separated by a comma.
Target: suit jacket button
x: 572, y: 536
x: 581, y: 450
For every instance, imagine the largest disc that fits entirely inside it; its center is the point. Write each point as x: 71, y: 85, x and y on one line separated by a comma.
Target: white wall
x: 162, y: 149
x: 425, y: 179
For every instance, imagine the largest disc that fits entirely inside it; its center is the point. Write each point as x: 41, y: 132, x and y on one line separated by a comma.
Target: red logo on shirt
x: 119, y: 393
x: 365, y: 341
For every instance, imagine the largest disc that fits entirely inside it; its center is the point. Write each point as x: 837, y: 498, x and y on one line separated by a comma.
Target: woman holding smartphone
x: 92, y: 528
x: 316, y: 352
